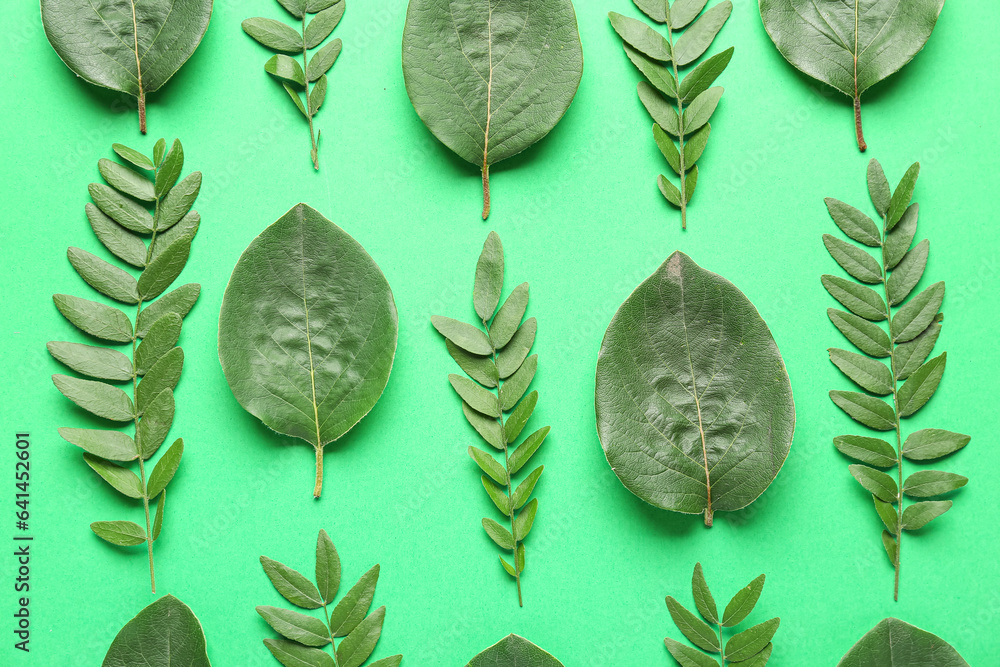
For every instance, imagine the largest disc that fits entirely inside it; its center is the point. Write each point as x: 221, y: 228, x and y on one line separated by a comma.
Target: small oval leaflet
x: 895, y: 643
x: 307, y: 332
x: 694, y: 406
x: 491, y: 79
x: 514, y: 650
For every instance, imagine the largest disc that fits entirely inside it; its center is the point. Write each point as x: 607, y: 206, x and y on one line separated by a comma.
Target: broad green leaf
x: 133, y: 156
x: 160, y: 339
x: 179, y: 301
x: 126, y: 212
x: 526, y: 450
x: 295, y: 626
x: 296, y: 96
x: 758, y: 660
x: 97, y: 319
x: 291, y: 584
x: 134, y: 51
x: 291, y: 654
x: 475, y: 396
x: 933, y: 443
x: 873, y: 451
x: 703, y: 599
x: 898, y: 241
x: 682, y: 330
x: 158, y: 518
x: 165, y: 469
x: 353, y: 607
x: 887, y: 512
x: 314, y: 6
x: 752, y: 641
x: 903, y: 193
x: 273, y: 34
x: 307, y: 332
x: 694, y: 145
x: 519, y: 417
x: 662, y: 113
x: 489, y: 80
x: 870, y: 411
x: 119, y: 533
x: 489, y: 279
x: 524, y: 489
x: 687, y: 656
x: 514, y: 353
x: 111, y: 445
x: 155, y: 423
x: 893, y: 643
x: 322, y: 25
x: 187, y: 227
x: 125, y: 180
x: 296, y: 8
x: 876, y: 482
x: 106, y: 278
x: 99, y: 398
x: 358, y: 645
x: 498, y: 534
x: 667, y: 148
x: 702, y: 76
x: 641, y: 37
x: 514, y: 387
x: 323, y: 60
x: 743, y: 603
x: 159, y: 150
x: 878, y: 187
x: 317, y: 95
x: 285, y: 68
x: 696, y: 630
x: 907, y: 274
x: 162, y: 271
x: 930, y: 483
x: 849, y: 46
x: 97, y: 362
x: 163, y: 375
x: 391, y: 661
x: 860, y: 300
x: 918, y: 515
x: 701, y: 109
x: 327, y: 568
x: 508, y: 319
x: 514, y: 650
x: 853, y: 259
x: 122, y: 479
x: 654, y: 9
x: 890, y: 544
x: 910, y: 356
x: 699, y: 36
x: 871, y: 375
x: 690, y: 181
x: 869, y: 337
x: 660, y: 76
x: 465, y: 336
x: 920, y: 386
x: 497, y: 495
x: 178, y: 202
x: 122, y: 243
x: 488, y: 427
x: 489, y: 465
x: 854, y: 223
x: 684, y: 11
x: 479, y: 368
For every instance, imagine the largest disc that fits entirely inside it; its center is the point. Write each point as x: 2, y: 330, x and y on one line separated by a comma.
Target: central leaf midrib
x: 312, y: 368
x: 697, y: 403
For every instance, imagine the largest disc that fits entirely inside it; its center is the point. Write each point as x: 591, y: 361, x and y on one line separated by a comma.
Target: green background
x: 582, y: 220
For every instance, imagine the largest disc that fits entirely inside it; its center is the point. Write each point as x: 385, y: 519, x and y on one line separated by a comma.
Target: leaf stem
x: 142, y: 467
x: 857, y: 123
x: 318, y: 488
x: 333, y: 647
x: 486, y: 141
x: 309, y: 114
x: 857, y: 96
x: 722, y: 651
x: 486, y: 188
x: 680, y: 139
x: 138, y: 71
x: 895, y: 409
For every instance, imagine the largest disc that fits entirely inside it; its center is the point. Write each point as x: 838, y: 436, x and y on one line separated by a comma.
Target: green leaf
x: 133, y: 156
x: 125, y: 180
x: 314, y: 6
x: 323, y: 60
x: 702, y: 76
x: 867, y: 336
x: 291, y: 654
x: 854, y: 223
x: 890, y: 544
x: 112, y: 445
x: 845, y: 47
x: 391, y: 661
x: 667, y: 148
x: 489, y: 465
x: 524, y: 489
x: 861, y: 300
x: 479, y: 368
x: 296, y: 96
x: 871, y: 375
x: 907, y: 273
x: 684, y: 317
x: 497, y: 495
x: 338, y: 324
x: 873, y: 451
x: 893, y: 643
x: 898, y: 241
x: 97, y: 362
x: 163, y: 375
x: 486, y: 119
x: 94, y: 318
x: 890, y: 517
x: 178, y: 202
x: 525, y: 451
x: 165, y: 469
x: 524, y: 520
x: 187, y: 227
x: 514, y: 650
x: 489, y: 281
x: 327, y: 568
x: 641, y: 37
x: 743, y: 603
x: 291, y: 584
x: 749, y: 643
x: 488, y: 427
x: 285, y: 68
x: 498, y: 534
x: 909, y: 356
x: 695, y: 145
x: 163, y: 634
x: 654, y: 9
x: 353, y: 607
x: 508, y: 319
x: 317, y: 95
x: 475, y: 396
x: 514, y: 387
x: 919, y: 388
x: 918, y: 515
x: 120, y: 533
x: 122, y: 243
x: 690, y: 181
x: 696, y: 39
x: 99, y: 398
x: 684, y: 11
x: 662, y: 113
x: 103, y: 47
x: 274, y: 34
x: 160, y: 339
x: 465, y: 336
x: 158, y: 519
x: 702, y: 108
x: 295, y: 626
x: 695, y: 629
x: 687, y: 656
x: 853, y: 259
x: 159, y: 150
x: 296, y: 8
x: 359, y: 644
x: 519, y: 417
x: 933, y: 443
x: 876, y: 482
x: 930, y: 483
x: 104, y: 277
x: 322, y: 25
x: 155, y: 423
x: 179, y: 301
x: 703, y: 599
x: 163, y: 270
x: 903, y: 193
x: 878, y: 187
x: 514, y: 353
x: 658, y: 75
x: 122, y: 479
x: 170, y: 169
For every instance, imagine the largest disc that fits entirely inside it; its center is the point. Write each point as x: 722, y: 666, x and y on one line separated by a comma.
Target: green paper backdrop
x: 582, y: 220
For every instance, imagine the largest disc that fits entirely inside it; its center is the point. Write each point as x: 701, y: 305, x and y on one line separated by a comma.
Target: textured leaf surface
x: 694, y: 407
x: 514, y: 650
x: 164, y: 634
x: 893, y: 643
